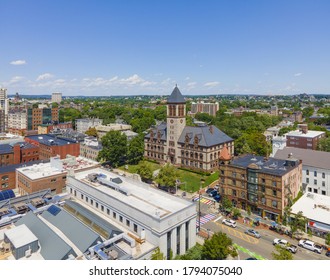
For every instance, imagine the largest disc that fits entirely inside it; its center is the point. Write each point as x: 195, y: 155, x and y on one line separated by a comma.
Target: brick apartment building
x: 18, y: 153
x: 50, y: 175
x: 265, y: 185
x: 304, y: 138
x: 50, y: 146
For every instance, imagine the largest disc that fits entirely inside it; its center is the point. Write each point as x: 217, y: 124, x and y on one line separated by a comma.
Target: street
x: 249, y: 246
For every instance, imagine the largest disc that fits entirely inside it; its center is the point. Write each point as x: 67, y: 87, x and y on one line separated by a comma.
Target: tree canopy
x: 145, y: 171
x: 218, y: 247
x: 114, y: 148
x: 281, y: 254
x: 167, y: 176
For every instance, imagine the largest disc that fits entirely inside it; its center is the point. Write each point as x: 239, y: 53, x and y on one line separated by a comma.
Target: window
x: 263, y: 189
x: 314, y: 190
x: 323, y: 192
x: 263, y: 181
x: 75, y: 193
x: 102, y: 208
x: 53, y: 180
x: 114, y: 215
x: 108, y: 211
x: 323, y: 175
x: 96, y: 204
x: 92, y: 202
x: 274, y: 203
x: 315, y: 173
x: 234, y: 193
x: 323, y: 183
x: 135, y: 228
x: 315, y: 182
x: 307, y: 172
x: 128, y: 223
x: 274, y: 193
x: 310, y: 189
x: 82, y: 196
x: 121, y: 219
x: 307, y: 180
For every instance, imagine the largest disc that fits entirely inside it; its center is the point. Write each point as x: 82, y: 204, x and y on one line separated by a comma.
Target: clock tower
x: 176, y: 122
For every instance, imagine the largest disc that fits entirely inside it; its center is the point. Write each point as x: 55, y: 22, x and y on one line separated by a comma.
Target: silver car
x: 253, y: 233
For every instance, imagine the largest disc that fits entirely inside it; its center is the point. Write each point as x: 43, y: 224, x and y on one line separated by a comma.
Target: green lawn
x: 192, y: 179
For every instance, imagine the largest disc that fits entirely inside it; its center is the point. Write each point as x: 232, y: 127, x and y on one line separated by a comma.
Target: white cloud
x: 18, y: 62
x: 211, y: 84
x: 45, y: 76
x: 16, y: 79
x: 297, y: 74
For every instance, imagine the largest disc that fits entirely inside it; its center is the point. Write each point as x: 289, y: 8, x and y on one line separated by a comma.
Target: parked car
x: 230, y: 223
x: 310, y: 245
x: 253, y: 233
x: 285, y: 244
x: 213, y: 193
x: 209, y: 190
x: 217, y: 198
x: 327, y: 253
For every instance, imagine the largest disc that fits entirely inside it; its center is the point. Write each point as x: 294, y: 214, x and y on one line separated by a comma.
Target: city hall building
x: 193, y: 147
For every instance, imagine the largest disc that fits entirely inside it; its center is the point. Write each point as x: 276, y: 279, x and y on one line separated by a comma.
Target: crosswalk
x: 203, y: 200
x: 205, y: 219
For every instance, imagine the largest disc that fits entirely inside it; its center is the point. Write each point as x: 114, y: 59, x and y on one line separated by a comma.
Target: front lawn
x: 190, y: 180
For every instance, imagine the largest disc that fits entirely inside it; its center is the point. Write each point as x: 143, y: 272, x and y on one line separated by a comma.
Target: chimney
x: 303, y: 128
x: 211, y: 129
x: 17, y: 154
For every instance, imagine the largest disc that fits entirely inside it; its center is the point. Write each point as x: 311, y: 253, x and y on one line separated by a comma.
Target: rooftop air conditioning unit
x: 28, y: 253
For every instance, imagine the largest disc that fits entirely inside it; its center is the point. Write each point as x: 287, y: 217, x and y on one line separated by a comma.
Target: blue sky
x: 127, y: 47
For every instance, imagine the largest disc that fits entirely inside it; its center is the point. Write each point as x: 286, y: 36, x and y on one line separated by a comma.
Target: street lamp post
x: 199, y: 205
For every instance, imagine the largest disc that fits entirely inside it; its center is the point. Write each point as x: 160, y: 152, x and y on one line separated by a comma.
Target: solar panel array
x: 7, y: 194
x: 54, y: 210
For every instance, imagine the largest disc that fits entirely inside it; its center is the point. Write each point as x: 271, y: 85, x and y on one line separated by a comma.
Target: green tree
x: 135, y: 149
x: 308, y: 112
x: 324, y: 144
x: 297, y: 223
x: 114, y: 148
x: 226, y: 203
x: 157, y: 255
x: 145, y: 171
x: 236, y: 213
x: 218, y: 247
x: 281, y: 254
x: 194, y: 253
x: 327, y: 239
x: 91, y: 132
x: 167, y: 176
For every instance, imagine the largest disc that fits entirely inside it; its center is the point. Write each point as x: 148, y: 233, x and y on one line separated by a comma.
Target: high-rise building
x: 4, y: 104
x: 57, y: 97
x: 208, y: 108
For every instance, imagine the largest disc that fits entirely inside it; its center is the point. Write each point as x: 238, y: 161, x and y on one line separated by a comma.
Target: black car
x: 209, y: 190
x: 327, y: 253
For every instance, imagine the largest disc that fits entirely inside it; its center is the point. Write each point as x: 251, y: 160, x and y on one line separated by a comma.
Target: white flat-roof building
x: 316, y: 208
x: 315, y: 169
x: 164, y: 220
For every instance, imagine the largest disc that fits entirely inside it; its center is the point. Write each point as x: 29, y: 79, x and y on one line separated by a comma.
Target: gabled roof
x: 224, y: 154
x: 161, y: 129
x: 79, y: 234
x: 176, y: 96
x: 208, y: 136
x: 52, y: 246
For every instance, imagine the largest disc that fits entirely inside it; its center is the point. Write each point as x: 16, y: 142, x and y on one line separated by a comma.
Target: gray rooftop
x: 52, y: 246
x: 161, y: 129
x: 313, y: 158
x: 95, y: 219
x: 50, y: 140
x: 79, y: 234
x: 176, y: 96
x: 277, y: 167
x: 208, y: 136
